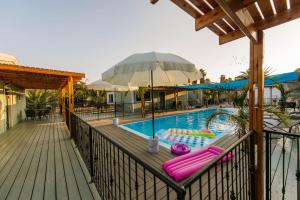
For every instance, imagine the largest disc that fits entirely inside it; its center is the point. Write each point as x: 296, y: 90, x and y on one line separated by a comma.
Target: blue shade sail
x: 240, y: 84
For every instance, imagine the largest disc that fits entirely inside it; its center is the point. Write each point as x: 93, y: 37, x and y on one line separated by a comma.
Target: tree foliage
x: 41, y: 99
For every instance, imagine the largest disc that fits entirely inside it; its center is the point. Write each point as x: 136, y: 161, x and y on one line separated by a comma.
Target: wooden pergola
x: 38, y: 78
x: 234, y: 19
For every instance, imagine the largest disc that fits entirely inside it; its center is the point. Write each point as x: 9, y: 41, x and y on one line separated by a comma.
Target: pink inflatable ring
x: 180, y: 149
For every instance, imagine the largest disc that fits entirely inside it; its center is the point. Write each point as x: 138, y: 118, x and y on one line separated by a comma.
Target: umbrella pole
x: 153, y: 132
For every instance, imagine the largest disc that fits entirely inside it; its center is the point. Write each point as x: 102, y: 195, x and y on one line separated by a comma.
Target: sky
x: 90, y: 36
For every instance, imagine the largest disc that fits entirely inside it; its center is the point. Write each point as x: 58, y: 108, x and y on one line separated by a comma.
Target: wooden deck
x: 38, y: 161
x: 138, y: 146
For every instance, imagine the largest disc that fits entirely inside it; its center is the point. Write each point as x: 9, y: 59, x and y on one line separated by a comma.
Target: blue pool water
x: 190, y: 121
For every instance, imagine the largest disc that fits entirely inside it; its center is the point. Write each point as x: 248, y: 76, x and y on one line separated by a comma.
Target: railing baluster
x: 208, y: 183
x: 154, y: 187
x: 216, y: 180
x: 200, y: 187
x: 145, y: 182
x: 227, y: 179
x: 267, y: 166
x: 283, y: 167
x: 114, y: 163
x: 222, y: 180
x: 298, y: 169
x: 119, y: 174
x: 129, y: 174
x: 232, y: 194
x: 236, y: 174
x: 136, y: 182
x: 124, y: 176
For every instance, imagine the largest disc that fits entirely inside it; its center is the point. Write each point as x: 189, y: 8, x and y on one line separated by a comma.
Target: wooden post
x: 63, y: 102
x: 176, y: 99
x: 71, y: 99
x: 256, y: 109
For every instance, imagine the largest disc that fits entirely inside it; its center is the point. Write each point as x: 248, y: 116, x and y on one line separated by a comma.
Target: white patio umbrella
x: 103, y: 85
x: 168, y: 70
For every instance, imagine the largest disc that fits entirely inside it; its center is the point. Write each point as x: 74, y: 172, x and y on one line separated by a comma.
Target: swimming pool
x: 187, y: 121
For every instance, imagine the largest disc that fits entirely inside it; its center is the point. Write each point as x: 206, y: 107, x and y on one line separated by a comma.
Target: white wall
x: 15, y: 101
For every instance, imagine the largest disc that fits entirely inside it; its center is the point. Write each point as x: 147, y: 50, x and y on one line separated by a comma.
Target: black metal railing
x: 282, y: 175
x: 122, y: 109
x: 116, y: 172
x: 119, y: 174
x: 228, y: 176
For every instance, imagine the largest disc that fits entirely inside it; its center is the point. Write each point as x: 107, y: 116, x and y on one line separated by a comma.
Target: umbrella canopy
x: 8, y: 59
x: 168, y: 70
x: 103, y: 85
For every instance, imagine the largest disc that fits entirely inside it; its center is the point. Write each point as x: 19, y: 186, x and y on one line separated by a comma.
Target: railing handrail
x: 212, y: 163
x: 178, y: 188
x: 282, y: 133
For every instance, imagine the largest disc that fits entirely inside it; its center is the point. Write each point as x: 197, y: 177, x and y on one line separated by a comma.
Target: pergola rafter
x: 234, y: 19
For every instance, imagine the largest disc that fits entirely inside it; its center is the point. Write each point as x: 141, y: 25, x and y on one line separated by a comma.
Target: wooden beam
x: 256, y: 108
x: 280, y: 18
x: 233, y: 16
x: 217, y: 13
x: 154, y: 1
x: 208, y: 18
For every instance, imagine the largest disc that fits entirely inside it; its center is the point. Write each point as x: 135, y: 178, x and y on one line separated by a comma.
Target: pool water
x: 190, y: 121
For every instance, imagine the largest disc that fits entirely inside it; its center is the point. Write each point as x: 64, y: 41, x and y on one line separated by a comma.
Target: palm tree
x: 80, y: 93
x: 241, y: 117
x: 203, y: 74
x: 41, y: 99
x: 284, y: 94
x: 246, y: 74
x: 141, y: 93
x: 97, y: 98
x: 207, y: 95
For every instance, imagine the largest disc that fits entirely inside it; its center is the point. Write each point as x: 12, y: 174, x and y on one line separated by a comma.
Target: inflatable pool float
x: 180, y: 149
x: 197, y: 133
x: 184, y: 166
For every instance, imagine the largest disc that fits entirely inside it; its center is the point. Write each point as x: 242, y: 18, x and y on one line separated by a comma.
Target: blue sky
x: 92, y: 35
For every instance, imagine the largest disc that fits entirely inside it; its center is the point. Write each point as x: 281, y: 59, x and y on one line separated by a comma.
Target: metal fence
x: 122, y: 110
x: 119, y: 174
x: 282, y: 175
x: 229, y: 176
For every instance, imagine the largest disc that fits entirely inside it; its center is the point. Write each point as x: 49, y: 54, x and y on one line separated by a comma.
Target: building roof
x: 36, y: 78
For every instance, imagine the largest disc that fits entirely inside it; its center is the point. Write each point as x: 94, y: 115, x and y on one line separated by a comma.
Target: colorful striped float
x: 196, y: 133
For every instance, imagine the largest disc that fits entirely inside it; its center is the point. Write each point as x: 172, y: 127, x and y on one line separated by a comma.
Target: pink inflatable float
x: 184, y: 166
x: 180, y: 149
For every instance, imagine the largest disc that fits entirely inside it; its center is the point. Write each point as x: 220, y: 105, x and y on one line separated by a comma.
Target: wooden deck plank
x: 22, y: 174
x: 31, y: 176
x: 17, y: 165
x: 72, y: 188
x: 61, y: 186
x: 38, y: 161
x: 12, y: 146
x: 50, y: 189
x: 39, y: 184
x: 6, y: 167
